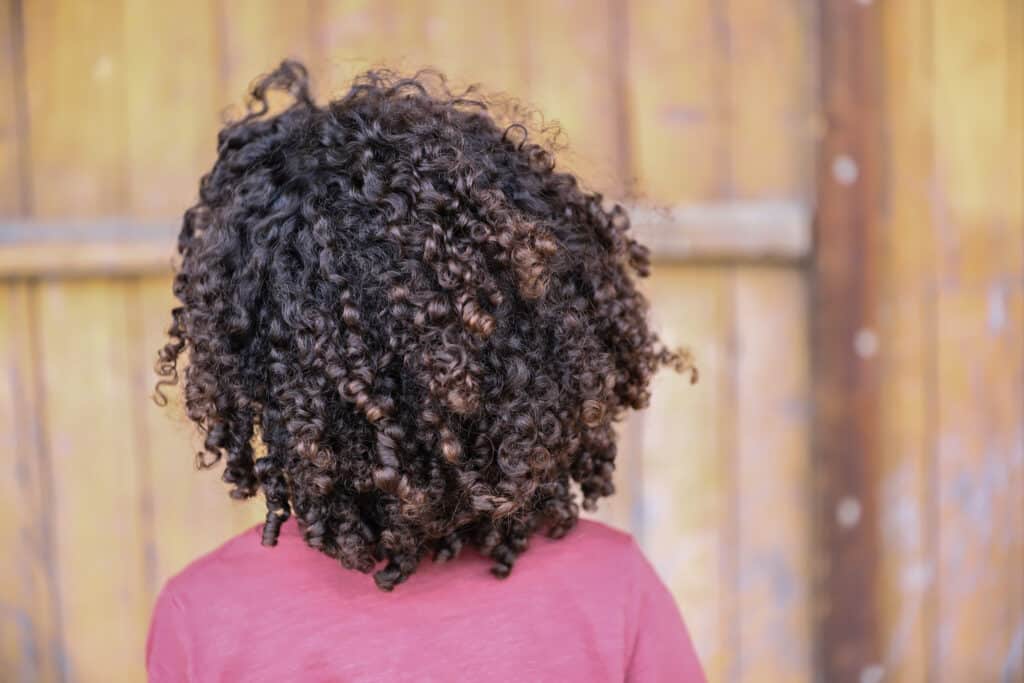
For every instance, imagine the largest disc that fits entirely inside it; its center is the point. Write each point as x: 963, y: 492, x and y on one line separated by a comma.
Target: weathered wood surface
x: 919, y: 379
x: 844, y: 325
x: 755, y: 231
x: 717, y: 111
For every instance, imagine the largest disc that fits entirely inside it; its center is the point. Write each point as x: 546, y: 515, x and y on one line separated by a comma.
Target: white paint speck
x: 917, y: 577
x: 865, y: 343
x: 865, y: 3
x: 996, y: 308
x: 103, y: 69
x: 848, y: 512
x: 845, y: 170
x: 873, y: 673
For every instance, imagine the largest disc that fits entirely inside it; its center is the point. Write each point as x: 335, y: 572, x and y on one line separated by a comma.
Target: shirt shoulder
x: 220, y: 559
x: 618, y: 549
x: 594, y: 535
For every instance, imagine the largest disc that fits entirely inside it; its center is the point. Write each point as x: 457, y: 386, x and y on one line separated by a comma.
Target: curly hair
x: 403, y: 325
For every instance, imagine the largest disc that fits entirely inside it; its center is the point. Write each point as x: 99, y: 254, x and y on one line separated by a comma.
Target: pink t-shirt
x: 588, y: 608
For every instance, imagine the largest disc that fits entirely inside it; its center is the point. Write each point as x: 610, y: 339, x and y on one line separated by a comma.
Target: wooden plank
x: 772, y: 478
x: 773, y: 104
x: 846, y: 385
x: 77, y: 151
x: 78, y: 169
x: 569, y: 70
x: 172, y: 100
x: 980, y: 319
x: 778, y: 231
x: 85, y: 350
x: 678, y: 90
x: 191, y: 511
x: 772, y: 231
x: 13, y: 116
x: 444, y: 34
x: 31, y: 643
x: 688, y: 432
x: 253, y: 37
x: 355, y: 35
x: 903, y: 346
x: 72, y: 260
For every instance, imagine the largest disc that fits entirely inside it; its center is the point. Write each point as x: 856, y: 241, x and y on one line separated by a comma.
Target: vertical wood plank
x: 445, y: 34
x: 686, y: 455
x: 78, y: 169
x: 772, y: 421
x: 31, y: 644
x: 85, y: 351
x: 568, y: 70
x: 980, y: 324
x: 13, y: 115
x: 846, y: 374
x: 905, y: 350
x: 172, y: 102
x: 253, y: 37
x: 772, y: 97
x: 75, y: 65
x: 678, y: 89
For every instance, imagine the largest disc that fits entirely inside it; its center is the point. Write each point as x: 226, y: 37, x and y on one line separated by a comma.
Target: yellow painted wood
x: 85, y: 350
x: 253, y: 37
x: 904, y: 346
x: 85, y: 343
x: 10, y: 143
x: 686, y: 456
x: 30, y: 637
x: 772, y: 77
x: 771, y: 478
x: 124, y: 101
x: 568, y: 61
x: 172, y: 102
x: 77, y: 69
x: 980, y: 321
x: 443, y: 34
x: 677, y: 92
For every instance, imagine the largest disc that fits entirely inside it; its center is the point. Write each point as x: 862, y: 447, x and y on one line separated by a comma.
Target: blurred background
x: 834, y: 194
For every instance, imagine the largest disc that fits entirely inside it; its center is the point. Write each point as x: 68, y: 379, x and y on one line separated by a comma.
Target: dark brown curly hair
x: 404, y: 325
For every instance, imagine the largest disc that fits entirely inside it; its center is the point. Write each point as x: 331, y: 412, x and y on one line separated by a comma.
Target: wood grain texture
x: 31, y: 638
x: 772, y: 97
x: 252, y: 37
x: 980, y: 322
x: 171, y: 104
x: 78, y: 168
x: 568, y: 70
x: 687, y: 457
x: 76, y: 104
x: 13, y: 116
x: 98, y: 489
x: 111, y: 110
x: 678, y: 94
x: 845, y: 313
x: 905, y: 351
x: 771, y: 419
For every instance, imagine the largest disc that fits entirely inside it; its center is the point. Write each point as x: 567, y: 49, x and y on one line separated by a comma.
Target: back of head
x: 404, y: 325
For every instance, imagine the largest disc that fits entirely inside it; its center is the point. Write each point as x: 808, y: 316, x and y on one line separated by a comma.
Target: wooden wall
x: 897, y: 123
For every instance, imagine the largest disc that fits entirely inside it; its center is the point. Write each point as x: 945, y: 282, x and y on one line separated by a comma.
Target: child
x: 430, y: 332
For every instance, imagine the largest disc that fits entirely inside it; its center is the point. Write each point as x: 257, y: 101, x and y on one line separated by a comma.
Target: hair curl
x: 430, y: 328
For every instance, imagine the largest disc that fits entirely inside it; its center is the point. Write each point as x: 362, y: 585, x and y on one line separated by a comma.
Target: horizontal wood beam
x: 725, y: 231
x: 775, y: 231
